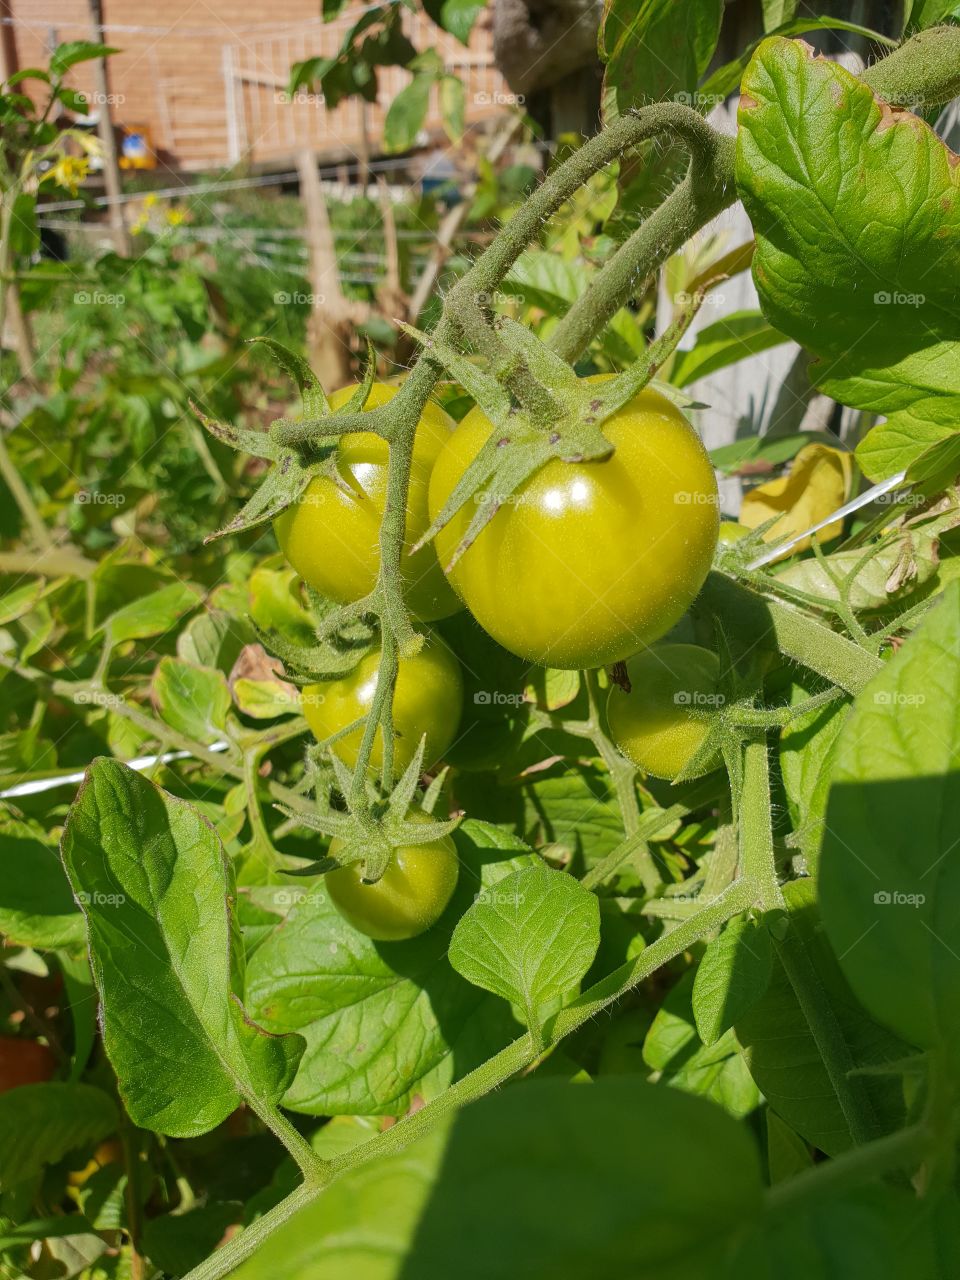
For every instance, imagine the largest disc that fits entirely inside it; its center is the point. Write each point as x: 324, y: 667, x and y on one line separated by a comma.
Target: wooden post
x: 111, y: 169
x: 332, y: 315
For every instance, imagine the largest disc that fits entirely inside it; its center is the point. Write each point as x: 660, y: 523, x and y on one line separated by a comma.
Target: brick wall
x: 209, y: 85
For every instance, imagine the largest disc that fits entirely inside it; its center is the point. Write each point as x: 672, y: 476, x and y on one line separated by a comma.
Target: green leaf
x: 856, y: 212
x: 24, y: 235
x: 674, y: 1049
x: 453, y: 107
x: 157, y: 892
x: 807, y: 748
x: 82, y: 999
x: 40, y: 1123
x: 36, y: 906
x: 545, y: 280
x: 892, y: 573
x: 733, y: 974
x: 654, y: 1185
x: 890, y: 864
x: 657, y: 49
x: 727, y: 78
x: 787, y: 1153
x: 152, y: 615
x: 214, y: 638
x: 176, y: 1243
x: 68, y: 55
x: 777, y: 12
x: 383, y: 1021
x: 529, y: 939
x: 193, y: 700
x: 455, y: 16
x: 407, y: 113
x: 783, y: 1056
x: 758, y: 454
x: 930, y: 13
x: 741, y: 334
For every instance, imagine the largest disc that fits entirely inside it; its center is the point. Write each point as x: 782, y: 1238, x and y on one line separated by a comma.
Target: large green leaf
x: 40, y: 1123
x: 36, y: 906
x: 856, y: 212
x: 382, y: 1021
x: 782, y: 1053
x: 157, y: 892
x: 890, y: 861
x: 657, y: 49
x: 606, y: 1180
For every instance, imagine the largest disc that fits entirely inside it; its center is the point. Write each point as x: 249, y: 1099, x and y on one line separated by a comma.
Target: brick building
x: 207, y: 78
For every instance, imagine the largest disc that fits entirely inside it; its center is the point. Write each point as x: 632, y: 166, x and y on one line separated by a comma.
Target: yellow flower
x: 68, y: 172
x: 175, y: 217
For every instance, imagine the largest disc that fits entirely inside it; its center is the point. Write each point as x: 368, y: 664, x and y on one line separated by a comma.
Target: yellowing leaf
x: 819, y: 482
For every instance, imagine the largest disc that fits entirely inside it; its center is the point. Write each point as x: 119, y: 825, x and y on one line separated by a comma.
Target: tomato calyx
x: 383, y: 824
x: 540, y: 411
x: 293, y: 468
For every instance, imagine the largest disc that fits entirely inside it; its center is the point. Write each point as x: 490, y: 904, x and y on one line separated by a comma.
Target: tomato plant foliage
x: 486, y: 861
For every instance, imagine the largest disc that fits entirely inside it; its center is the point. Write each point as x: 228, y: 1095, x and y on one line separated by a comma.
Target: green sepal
x: 360, y: 396
x: 315, y: 403
x: 280, y: 488
x: 564, y: 422
x: 259, y: 444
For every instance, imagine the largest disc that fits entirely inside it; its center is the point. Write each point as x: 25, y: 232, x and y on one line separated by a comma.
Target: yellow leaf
x: 818, y: 482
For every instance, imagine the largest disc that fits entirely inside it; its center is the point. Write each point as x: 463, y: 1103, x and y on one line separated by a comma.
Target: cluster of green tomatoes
x: 586, y: 565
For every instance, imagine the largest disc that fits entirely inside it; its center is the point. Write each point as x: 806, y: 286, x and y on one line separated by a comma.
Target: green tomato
x: 412, y: 894
x: 731, y: 532
x: 331, y: 535
x: 664, y: 718
x: 588, y: 561
x: 428, y: 699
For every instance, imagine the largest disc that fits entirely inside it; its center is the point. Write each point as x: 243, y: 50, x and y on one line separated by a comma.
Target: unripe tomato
x: 428, y: 699
x: 588, y: 561
x: 731, y: 532
x: 24, y: 1061
x: 656, y: 724
x: 331, y: 536
x: 412, y: 894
